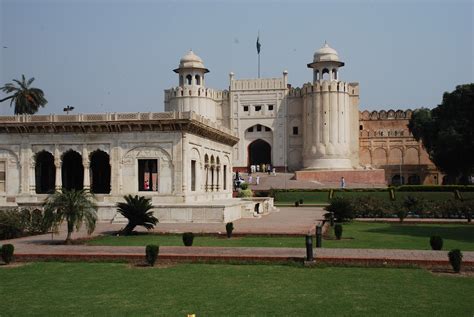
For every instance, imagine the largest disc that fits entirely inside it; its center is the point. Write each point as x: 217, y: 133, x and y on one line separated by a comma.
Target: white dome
x: 326, y: 54
x: 191, y: 60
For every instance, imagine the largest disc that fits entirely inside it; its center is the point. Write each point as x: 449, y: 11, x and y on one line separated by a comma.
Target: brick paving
x: 287, y: 221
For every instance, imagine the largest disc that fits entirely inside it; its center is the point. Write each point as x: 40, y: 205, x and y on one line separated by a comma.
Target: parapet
x: 386, y: 115
x: 257, y: 84
x: 177, y: 92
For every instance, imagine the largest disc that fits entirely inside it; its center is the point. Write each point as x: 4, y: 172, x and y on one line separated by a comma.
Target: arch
x: 45, y: 172
x: 198, y: 79
x: 414, y: 179
x: 259, y: 152
x: 365, y: 157
x: 379, y: 156
x: 323, y: 74
x: 395, y: 156
x: 181, y: 81
x: 189, y: 79
x: 396, y: 180
x: 334, y: 74
x: 412, y: 156
x: 100, y: 172
x: 258, y: 128
x: 72, y: 170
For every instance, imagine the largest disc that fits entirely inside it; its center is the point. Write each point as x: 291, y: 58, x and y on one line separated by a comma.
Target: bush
x: 297, y: 203
x: 368, y: 207
x: 11, y: 224
x: 244, y: 186
x: 301, y: 201
x: 151, y: 254
x: 342, y: 208
x: 455, y: 258
x: 188, y: 238
x: 245, y: 193
x: 7, y: 251
x: 436, y: 243
x: 415, y: 205
x: 338, y: 231
x: 229, y: 227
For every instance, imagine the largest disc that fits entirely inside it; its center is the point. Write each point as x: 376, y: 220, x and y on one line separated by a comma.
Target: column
x: 86, y: 164
x: 58, y: 164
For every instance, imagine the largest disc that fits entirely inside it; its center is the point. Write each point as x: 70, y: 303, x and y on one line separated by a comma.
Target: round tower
x: 191, y: 93
x: 327, y: 115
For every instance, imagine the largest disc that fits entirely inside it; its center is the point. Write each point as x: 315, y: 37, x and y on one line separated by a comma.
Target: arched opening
x: 325, y: 74
x: 72, y: 170
x: 334, y: 74
x: 206, y: 170
x: 100, y: 172
x: 316, y: 75
x: 397, y: 181
x: 213, y: 168
x: 181, y: 80
x: 45, y: 173
x: 414, y: 180
x: 189, y: 79
x: 198, y: 80
x: 259, y: 152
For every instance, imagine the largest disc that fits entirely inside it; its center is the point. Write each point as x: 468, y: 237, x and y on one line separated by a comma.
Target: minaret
x: 327, y: 126
x: 191, y: 93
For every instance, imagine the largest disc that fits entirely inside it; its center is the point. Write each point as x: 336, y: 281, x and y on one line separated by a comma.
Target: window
x: 295, y: 130
x: 2, y: 176
x: 189, y: 79
x: 270, y: 107
x: 246, y: 108
x: 225, y: 177
x: 198, y: 80
x: 259, y: 127
x: 250, y: 129
x: 258, y: 108
x: 148, y: 175
x: 361, y: 127
x: 193, y: 175
x: 268, y: 129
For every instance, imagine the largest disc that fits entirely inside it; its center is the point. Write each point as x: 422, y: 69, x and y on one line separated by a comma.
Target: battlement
x: 257, y: 84
x: 177, y: 92
x: 324, y: 85
x: 386, y: 115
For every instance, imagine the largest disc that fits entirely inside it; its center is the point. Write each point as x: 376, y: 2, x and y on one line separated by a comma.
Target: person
x: 147, y: 185
x: 258, y: 168
x: 269, y: 168
x: 257, y: 180
x: 343, y: 182
x: 274, y: 172
x: 250, y: 179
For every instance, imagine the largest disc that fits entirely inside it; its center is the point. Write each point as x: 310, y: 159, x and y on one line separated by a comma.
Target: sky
x: 118, y: 56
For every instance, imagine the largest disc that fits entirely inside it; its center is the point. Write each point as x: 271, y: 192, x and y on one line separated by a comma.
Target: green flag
x: 258, y: 44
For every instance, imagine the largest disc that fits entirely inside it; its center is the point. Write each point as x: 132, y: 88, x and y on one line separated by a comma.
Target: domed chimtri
x: 326, y: 54
x: 191, y: 60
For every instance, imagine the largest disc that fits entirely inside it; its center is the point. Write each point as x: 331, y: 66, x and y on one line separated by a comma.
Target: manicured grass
x: 104, y: 289
x: 363, y: 235
x: 323, y: 197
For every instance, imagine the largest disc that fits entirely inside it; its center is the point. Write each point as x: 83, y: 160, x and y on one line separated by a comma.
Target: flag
x: 258, y: 44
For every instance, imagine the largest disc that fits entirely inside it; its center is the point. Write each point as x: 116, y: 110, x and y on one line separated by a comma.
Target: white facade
x: 313, y: 127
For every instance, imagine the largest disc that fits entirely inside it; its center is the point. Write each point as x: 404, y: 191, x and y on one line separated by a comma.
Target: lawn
x: 113, y: 289
x: 362, y: 235
x: 285, y: 198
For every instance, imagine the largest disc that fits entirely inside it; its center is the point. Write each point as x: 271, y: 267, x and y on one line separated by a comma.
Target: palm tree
x: 138, y: 212
x: 74, y: 206
x: 27, y: 99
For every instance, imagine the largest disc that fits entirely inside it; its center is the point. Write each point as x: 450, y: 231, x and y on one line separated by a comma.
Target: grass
x: 365, y: 236
x: 105, y: 289
x: 288, y: 198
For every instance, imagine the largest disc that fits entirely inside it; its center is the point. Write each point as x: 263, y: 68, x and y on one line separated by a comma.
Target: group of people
x: 261, y: 168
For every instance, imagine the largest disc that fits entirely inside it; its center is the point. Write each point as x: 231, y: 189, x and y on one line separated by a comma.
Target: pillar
x: 86, y: 164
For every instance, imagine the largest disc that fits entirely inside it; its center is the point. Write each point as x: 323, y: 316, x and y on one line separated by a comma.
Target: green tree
x: 27, y: 99
x: 74, y: 206
x: 447, y: 133
x: 138, y: 212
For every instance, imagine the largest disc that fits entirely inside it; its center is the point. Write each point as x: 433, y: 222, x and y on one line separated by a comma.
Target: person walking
x: 343, y: 182
x: 250, y: 179
x: 257, y: 180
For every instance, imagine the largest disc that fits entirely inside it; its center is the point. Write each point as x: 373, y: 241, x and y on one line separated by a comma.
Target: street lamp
x: 68, y: 108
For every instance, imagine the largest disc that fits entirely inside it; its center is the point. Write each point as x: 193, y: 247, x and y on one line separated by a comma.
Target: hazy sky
x: 118, y: 56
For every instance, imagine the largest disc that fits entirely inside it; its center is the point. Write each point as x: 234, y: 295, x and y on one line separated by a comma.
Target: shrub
x: 7, y: 251
x: 415, y: 205
x: 11, y: 224
x: 229, y: 227
x: 342, y: 208
x: 436, y: 242
x: 368, y: 206
x: 301, y: 201
x: 151, y: 254
x: 138, y: 211
x: 297, y: 203
x: 338, y: 231
x: 245, y: 193
x: 188, y: 238
x: 244, y: 186
x: 455, y: 258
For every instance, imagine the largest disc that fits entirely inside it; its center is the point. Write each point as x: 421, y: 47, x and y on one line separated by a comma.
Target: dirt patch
x: 447, y: 272
x: 12, y: 265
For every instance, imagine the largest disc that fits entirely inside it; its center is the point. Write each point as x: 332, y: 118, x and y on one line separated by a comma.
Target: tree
x: 138, y: 212
x: 74, y: 206
x: 447, y: 133
x: 27, y: 99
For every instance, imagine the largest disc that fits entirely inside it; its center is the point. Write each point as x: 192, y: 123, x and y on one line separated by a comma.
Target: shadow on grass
x: 463, y: 233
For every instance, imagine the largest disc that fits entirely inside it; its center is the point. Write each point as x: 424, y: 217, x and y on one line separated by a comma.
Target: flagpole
x: 258, y: 65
